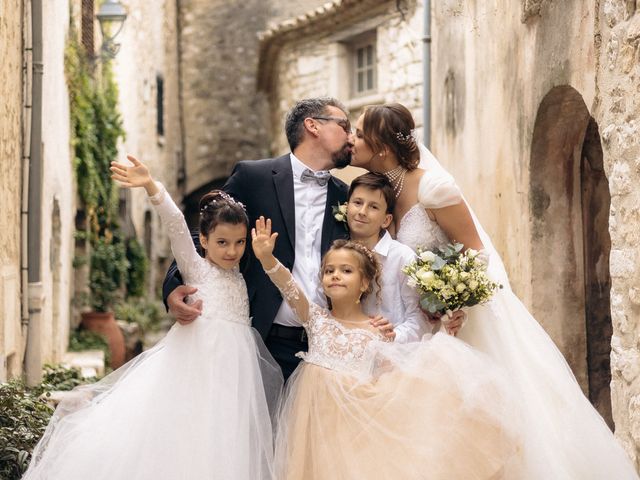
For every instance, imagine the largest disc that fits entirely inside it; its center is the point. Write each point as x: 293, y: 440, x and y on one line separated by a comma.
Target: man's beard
x: 342, y: 158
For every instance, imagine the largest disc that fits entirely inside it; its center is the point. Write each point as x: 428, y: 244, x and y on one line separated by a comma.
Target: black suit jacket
x: 265, y: 187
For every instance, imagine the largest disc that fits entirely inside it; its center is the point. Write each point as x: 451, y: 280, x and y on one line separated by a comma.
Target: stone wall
x: 519, y: 78
x: 58, y: 191
x: 311, y: 61
x: 618, y: 111
x: 11, y: 118
x: 48, y: 327
x: 146, y: 63
x: 225, y: 118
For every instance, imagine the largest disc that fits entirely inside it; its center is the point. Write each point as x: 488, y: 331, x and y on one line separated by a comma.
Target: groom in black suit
x: 295, y: 191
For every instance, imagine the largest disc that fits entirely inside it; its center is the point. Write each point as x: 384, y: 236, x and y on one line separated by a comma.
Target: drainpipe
x: 33, y: 357
x: 426, y: 83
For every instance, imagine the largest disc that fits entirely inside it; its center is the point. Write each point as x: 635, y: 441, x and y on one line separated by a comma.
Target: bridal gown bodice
x: 334, y: 346
x: 417, y: 230
x: 223, y: 292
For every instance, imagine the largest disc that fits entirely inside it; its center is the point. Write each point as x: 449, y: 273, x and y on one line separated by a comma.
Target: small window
x: 364, y: 81
x: 160, y: 105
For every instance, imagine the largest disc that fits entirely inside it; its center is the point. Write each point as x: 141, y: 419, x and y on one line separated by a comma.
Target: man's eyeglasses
x: 343, y: 123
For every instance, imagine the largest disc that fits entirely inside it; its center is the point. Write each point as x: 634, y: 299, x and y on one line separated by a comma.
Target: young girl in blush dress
x: 196, y: 406
x: 361, y: 407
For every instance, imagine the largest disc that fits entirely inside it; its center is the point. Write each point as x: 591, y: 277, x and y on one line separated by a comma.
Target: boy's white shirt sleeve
x: 414, y: 325
x: 400, y: 302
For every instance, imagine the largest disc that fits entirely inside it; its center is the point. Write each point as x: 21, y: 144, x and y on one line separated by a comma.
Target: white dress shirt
x: 400, y: 304
x: 310, y: 203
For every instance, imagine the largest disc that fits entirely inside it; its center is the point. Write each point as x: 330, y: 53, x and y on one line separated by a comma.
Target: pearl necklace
x: 396, y: 177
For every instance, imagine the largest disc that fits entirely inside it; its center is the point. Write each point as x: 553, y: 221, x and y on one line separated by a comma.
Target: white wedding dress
x: 564, y: 437
x: 196, y: 406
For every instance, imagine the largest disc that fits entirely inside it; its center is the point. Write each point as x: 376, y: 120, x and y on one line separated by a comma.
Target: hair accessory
x: 213, y: 203
x: 365, y: 251
x: 405, y: 139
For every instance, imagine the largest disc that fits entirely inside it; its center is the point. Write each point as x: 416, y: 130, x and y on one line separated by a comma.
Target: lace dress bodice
x: 331, y: 344
x: 223, y: 292
x: 418, y: 230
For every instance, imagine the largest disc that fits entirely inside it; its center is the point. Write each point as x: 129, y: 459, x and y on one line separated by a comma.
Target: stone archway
x: 569, y: 204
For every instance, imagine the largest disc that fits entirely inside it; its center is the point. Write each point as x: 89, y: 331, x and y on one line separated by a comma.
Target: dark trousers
x: 283, y: 343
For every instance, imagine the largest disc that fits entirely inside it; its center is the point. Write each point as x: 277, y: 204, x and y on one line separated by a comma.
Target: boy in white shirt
x: 369, y: 205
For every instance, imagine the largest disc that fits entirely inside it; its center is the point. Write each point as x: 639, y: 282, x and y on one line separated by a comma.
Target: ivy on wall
x: 96, y: 128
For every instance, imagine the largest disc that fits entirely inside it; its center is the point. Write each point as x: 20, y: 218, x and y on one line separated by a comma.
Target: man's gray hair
x: 309, y: 107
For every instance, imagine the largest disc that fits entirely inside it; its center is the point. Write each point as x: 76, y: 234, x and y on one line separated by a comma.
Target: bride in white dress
x: 197, y: 405
x: 565, y: 437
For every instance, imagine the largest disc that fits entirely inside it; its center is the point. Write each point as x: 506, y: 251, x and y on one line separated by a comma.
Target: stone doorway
x: 569, y: 203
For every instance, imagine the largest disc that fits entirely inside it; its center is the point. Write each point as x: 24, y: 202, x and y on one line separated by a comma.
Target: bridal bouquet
x: 450, y: 279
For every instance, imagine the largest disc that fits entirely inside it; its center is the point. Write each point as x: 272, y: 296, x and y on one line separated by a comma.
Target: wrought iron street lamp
x: 111, y: 17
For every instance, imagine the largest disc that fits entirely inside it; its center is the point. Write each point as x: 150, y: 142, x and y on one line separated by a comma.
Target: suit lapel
x: 330, y: 227
x: 283, y: 183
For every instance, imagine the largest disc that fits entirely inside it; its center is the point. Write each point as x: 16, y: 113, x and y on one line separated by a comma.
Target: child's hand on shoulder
x: 262, y: 240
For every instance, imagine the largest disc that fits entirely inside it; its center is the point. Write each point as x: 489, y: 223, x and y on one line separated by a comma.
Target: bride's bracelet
x: 273, y: 269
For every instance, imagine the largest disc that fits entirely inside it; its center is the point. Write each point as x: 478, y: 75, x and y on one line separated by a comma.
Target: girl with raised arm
x: 359, y: 406
x: 196, y: 406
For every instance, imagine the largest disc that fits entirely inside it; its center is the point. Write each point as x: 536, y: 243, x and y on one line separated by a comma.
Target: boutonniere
x: 340, y: 212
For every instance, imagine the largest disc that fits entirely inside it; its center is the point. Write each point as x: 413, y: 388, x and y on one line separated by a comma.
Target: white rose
x: 461, y: 287
x: 425, y: 276
x: 472, y: 253
x: 339, y: 217
x: 343, y: 209
x: 473, y: 284
x: 464, y: 276
x: 427, y: 256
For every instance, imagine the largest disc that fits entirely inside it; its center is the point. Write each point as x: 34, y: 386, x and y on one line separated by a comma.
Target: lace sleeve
x: 291, y: 292
x: 182, y: 245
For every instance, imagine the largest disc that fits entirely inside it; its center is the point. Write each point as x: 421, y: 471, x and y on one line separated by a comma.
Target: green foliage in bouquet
x: 450, y: 279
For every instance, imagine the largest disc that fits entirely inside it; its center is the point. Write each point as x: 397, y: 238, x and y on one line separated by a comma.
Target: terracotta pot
x: 105, y: 324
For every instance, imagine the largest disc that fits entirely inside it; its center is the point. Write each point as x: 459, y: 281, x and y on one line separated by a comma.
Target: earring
x: 358, y: 300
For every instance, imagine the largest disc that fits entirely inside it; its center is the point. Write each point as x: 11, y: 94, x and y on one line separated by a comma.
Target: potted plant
x: 108, y: 270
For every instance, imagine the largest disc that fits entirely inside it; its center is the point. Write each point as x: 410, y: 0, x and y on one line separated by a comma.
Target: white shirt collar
x: 298, y: 167
x: 384, y: 244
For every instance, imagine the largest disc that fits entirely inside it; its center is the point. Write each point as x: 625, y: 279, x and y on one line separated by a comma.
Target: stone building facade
x: 36, y: 228
x: 12, y: 116
x: 146, y: 73
x: 224, y: 117
x: 535, y: 112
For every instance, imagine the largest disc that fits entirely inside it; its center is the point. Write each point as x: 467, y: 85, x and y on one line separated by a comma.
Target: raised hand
x: 262, y: 240
x: 131, y: 176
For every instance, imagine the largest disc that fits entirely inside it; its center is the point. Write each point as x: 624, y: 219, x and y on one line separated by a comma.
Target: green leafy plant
x: 138, y: 266
x: 109, y: 267
x: 61, y: 378
x: 24, y: 415
x: 82, y: 340
x: 147, y: 314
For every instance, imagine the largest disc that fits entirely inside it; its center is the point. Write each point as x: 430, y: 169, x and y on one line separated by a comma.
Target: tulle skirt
x: 196, y: 406
x: 427, y: 410
x: 564, y: 437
